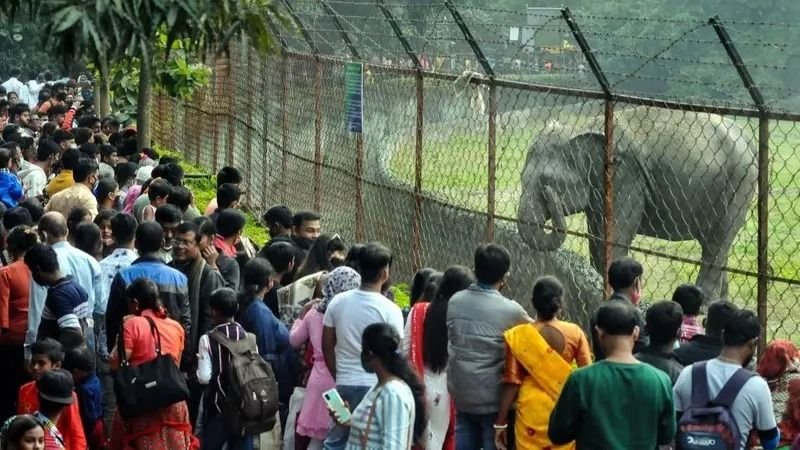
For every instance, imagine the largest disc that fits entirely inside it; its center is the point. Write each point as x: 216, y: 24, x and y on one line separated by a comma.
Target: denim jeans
x: 337, y: 436
x: 216, y: 437
x: 476, y: 431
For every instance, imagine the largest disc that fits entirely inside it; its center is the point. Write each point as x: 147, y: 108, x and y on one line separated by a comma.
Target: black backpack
x: 251, y: 397
x: 708, y: 424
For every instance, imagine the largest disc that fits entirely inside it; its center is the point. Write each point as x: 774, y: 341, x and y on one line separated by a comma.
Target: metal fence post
x: 359, y: 187
x: 284, y: 125
x: 491, y: 164
x: 416, y: 235
x: 763, y: 174
x: 608, y: 148
x: 248, y: 129
x: 318, y: 135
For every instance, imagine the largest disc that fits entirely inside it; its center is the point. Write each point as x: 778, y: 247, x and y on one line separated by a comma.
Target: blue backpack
x: 708, y: 424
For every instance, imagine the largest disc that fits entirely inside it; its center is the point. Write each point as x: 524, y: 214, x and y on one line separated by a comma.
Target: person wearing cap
x: 55, y: 394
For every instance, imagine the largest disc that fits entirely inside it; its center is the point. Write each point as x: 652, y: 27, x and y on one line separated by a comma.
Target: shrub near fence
x: 451, y: 157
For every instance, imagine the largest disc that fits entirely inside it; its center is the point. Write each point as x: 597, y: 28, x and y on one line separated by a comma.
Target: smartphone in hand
x: 336, y: 404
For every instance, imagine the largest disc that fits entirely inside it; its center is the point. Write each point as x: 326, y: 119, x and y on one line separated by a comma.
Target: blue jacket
x: 272, y: 338
x: 10, y: 188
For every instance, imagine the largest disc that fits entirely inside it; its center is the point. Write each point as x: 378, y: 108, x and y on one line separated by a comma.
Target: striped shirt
x: 392, y: 425
x: 213, y: 364
x: 67, y: 303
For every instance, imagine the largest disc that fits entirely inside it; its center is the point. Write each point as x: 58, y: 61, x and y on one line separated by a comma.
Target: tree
x: 105, y: 30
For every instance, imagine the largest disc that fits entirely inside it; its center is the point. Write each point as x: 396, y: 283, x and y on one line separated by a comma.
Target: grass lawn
x: 455, y: 170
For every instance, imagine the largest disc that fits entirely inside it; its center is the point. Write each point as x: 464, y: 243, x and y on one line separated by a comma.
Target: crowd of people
x: 131, y: 319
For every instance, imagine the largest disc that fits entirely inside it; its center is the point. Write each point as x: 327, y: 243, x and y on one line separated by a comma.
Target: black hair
x: 317, y: 258
x: 145, y: 292
x: 304, y: 216
x: 70, y: 158
x: 87, y: 238
x: 617, y: 318
x: 383, y: 342
x: 255, y: 276
x: 46, y: 149
x: 48, y: 128
x: 434, y: 329
x: 374, y: 258
x: 623, y: 272
x: 163, y: 160
x: 124, y: 172
x: 189, y: 227
x: 34, y: 207
x: 20, y: 425
x: 205, y: 226
x: 149, y: 236
x: 158, y: 188
x: 44, y: 95
x: 123, y: 228
x: 718, y: 315
x: 548, y: 295
x: 230, y: 222
x: 20, y: 239
x: 58, y: 110
x: 50, y: 348
x: 690, y: 297
x: 418, y: 284
x: 104, y: 187
x: 353, y: 258
x: 88, y: 121
x: 229, y: 174
x: 79, y: 358
x: 227, y: 195
x: 223, y: 300
x: 5, y: 157
x: 173, y: 173
x: 107, y: 150
x: 17, y: 110
x: 741, y: 329
x: 127, y: 146
x: 17, y: 216
x: 280, y: 255
x: 75, y: 217
x: 104, y: 216
x: 181, y: 197
x: 492, y: 262
x: 82, y: 135
x: 663, y: 321
x: 168, y: 214
x: 278, y: 215
x: 85, y: 168
x: 432, y: 286
x: 41, y: 258
x: 89, y: 150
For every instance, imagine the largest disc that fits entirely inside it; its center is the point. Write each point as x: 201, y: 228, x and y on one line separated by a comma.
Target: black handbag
x: 150, y: 386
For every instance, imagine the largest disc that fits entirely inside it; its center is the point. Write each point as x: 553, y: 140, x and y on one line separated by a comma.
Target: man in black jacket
x: 703, y: 347
x: 625, y: 278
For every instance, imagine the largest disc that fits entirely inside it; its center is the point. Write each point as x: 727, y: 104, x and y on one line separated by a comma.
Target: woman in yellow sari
x: 539, y: 358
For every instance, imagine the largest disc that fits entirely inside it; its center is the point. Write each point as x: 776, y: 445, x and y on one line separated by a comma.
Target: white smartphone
x: 336, y: 404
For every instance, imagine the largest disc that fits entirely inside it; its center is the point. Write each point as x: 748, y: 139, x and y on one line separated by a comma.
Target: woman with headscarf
x: 780, y: 366
x: 314, y: 419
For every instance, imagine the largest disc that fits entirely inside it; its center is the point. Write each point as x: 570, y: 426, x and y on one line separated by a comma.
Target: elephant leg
x: 594, y: 226
x: 711, y: 279
x: 622, y: 236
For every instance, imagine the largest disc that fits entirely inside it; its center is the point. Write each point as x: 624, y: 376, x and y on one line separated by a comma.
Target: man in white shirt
x: 14, y: 85
x: 34, y: 175
x: 35, y: 86
x: 346, y: 317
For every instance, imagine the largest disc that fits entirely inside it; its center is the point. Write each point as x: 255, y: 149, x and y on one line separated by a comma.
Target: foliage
x: 21, y: 46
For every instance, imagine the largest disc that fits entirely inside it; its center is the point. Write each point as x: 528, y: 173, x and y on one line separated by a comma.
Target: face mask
x: 365, y: 363
x: 304, y: 243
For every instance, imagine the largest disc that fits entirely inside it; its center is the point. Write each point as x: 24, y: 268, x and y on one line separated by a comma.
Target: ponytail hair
x: 256, y: 274
x: 21, y: 239
x: 383, y: 342
x: 144, y: 291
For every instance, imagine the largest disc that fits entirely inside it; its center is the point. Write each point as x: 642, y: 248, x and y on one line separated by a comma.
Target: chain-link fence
x: 571, y: 139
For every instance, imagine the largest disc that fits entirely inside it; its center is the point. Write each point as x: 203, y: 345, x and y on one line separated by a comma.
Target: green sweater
x: 610, y: 405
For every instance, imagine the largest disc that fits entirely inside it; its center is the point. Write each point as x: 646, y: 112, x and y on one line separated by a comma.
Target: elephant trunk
x: 533, y: 214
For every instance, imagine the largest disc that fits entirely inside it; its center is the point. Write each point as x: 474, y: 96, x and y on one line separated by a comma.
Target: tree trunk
x: 104, y: 89
x: 143, y: 101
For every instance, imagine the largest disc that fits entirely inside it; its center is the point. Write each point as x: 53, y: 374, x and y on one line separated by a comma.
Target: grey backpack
x: 251, y: 397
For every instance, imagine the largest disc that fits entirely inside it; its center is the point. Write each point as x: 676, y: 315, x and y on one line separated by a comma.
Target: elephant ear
x: 586, y: 152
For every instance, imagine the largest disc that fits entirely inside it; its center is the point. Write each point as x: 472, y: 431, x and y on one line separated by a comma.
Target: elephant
x: 676, y: 176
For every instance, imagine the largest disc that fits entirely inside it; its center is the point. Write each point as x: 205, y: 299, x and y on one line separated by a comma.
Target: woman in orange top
x: 15, y: 290
x: 539, y: 358
x: 168, y: 428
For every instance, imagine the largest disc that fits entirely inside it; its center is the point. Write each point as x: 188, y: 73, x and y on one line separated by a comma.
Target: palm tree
x: 105, y: 30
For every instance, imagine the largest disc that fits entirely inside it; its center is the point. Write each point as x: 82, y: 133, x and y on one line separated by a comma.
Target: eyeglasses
x: 182, y: 243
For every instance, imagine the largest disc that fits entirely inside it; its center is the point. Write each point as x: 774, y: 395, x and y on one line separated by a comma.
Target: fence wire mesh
x: 484, y: 123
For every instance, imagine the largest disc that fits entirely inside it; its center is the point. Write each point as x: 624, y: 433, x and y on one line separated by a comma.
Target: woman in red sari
x: 167, y: 428
x: 426, y: 347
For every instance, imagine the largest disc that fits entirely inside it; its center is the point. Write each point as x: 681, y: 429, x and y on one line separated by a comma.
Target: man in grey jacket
x: 476, y: 320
